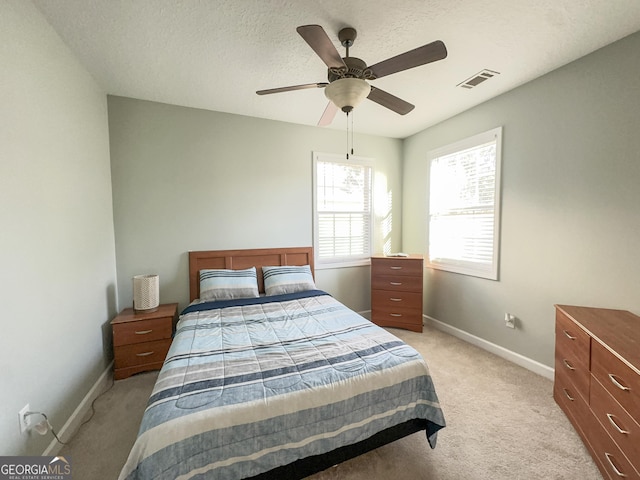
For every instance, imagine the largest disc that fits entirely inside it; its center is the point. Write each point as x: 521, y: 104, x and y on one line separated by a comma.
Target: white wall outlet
x: 25, y: 420
x: 510, y: 320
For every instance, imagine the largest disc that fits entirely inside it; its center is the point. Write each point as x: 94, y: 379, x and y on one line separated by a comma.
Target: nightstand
x: 141, y: 340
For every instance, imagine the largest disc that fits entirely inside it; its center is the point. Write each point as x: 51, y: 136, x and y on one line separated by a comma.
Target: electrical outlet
x: 510, y: 320
x: 24, y: 419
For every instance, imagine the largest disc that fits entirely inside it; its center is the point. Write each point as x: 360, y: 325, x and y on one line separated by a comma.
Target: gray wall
x: 187, y: 179
x: 570, y: 201
x: 57, y: 242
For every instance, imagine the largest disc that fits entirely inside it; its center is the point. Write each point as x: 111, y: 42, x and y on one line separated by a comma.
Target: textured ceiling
x: 215, y: 54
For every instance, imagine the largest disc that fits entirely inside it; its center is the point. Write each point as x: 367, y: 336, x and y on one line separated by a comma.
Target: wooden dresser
x: 141, y: 340
x: 396, y: 291
x: 597, y: 384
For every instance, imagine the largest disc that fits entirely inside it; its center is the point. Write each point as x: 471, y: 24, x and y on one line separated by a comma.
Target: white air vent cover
x: 478, y: 78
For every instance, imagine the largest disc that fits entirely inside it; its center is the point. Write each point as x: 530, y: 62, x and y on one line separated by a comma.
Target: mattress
x: 252, y: 385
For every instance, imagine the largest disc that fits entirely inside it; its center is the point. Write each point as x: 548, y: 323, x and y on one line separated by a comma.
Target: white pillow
x: 221, y: 284
x: 287, y: 279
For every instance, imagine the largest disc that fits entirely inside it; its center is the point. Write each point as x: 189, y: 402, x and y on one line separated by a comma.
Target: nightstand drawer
x: 396, y: 266
x: 397, y: 283
x: 142, y: 331
x: 141, y: 353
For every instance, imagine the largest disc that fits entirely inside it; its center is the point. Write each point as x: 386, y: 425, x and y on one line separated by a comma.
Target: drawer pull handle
x: 145, y: 354
x: 566, y: 392
x: 395, y: 314
x: 143, y: 332
x: 396, y: 284
x: 395, y: 299
x: 615, y: 381
x: 615, y: 425
x: 396, y: 268
x: 568, y: 365
x: 569, y: 336
x: 608, y: 456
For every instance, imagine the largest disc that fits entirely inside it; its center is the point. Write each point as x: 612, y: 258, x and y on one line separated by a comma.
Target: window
x: 464, y: 206
x: 342, y: 210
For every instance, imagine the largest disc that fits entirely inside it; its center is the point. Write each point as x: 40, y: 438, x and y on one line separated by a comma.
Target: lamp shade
x: 146, y: 293
x: 347, y: 93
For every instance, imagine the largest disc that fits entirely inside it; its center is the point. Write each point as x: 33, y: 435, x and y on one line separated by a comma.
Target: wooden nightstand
x: 141, y: 340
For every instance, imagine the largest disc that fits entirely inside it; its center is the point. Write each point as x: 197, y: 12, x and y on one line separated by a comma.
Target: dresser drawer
x: 573, y: 342
x: 397, y: 283
x: 141, y: 353
x: 618, y: 378
x: 572, y: 403
x: 407, y: 321
x: 396, y: 266
x: 612, y: 462
x: 142, y: 331
x: 391, y: 300
x: 573, y: 371
x: 616, y: 421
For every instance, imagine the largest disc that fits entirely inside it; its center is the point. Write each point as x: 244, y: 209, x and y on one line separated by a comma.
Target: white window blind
x: 464, y: 206
x: 342, y: 209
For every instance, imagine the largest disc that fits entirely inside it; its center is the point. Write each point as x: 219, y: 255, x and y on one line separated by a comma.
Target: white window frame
x: 351, y: 260
x: 458, y: 264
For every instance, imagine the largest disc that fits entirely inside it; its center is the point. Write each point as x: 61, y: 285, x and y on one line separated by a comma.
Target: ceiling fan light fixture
x: 347, y: 93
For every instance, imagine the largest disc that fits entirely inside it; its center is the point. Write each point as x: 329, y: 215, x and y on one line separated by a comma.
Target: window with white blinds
x: 342, y: 210
x: 464, y: 205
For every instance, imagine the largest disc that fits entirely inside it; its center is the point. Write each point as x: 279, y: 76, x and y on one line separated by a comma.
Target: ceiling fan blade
x: 390, y: 101
x: 320, y: 42
x: 413, y: 58
x: 294, y: 87
x: 328, y: 115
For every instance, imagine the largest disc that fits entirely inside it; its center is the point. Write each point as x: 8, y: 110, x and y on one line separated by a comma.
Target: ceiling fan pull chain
x: 351, y: 133
x: 347, y: 135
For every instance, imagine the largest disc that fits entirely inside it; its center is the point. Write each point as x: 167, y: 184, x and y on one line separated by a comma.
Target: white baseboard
x: 75, y: 420
x: 513, y: 357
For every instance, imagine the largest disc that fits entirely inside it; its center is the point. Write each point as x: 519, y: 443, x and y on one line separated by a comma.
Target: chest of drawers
x: 396, y: 292
x: 597, y: 384
x: 141, y: 340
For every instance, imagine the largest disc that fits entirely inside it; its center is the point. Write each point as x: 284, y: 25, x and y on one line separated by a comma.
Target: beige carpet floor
x: 502, y: 423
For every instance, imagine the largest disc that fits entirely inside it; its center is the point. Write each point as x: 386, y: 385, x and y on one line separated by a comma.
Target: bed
x: 281, y: 383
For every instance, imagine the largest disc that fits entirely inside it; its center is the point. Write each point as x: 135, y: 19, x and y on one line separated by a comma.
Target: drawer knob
x: 568, y: 365
x: 568, y: 335
x: 566, y: 392
x: 395, y: 314
x: 396, y: 268
x: 145, y: 354
x: 396, y: 284
x: 615, y: 381
x: 395, y: 299
x: 608, y: 456
x: 143, y: 332
x: 615, y: 424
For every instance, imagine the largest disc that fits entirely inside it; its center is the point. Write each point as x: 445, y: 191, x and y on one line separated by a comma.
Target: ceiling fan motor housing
x: 356, y: 68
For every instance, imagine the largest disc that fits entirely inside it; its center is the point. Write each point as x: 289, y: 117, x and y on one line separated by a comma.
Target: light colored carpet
x: 502, y: 423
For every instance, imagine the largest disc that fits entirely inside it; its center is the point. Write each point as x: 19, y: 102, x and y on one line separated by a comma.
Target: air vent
x: 478, y: 78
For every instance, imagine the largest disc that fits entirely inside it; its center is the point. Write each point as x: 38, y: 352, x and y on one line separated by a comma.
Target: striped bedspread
x: 249, y: 385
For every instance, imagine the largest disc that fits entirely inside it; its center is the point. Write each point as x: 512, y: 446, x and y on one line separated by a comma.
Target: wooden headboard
x: 241, y: 259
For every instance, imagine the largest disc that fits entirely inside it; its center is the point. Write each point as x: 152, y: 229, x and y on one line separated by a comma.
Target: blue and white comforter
x: 250, y: 385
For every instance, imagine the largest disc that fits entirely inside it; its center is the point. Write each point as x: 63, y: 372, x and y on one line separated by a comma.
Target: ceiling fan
x: 348, y: 76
